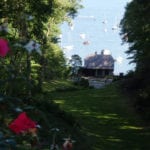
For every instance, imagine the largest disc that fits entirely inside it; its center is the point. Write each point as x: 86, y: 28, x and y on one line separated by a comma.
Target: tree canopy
x: 32, y: 29
x: 136, y: 32
x: 75, y: 62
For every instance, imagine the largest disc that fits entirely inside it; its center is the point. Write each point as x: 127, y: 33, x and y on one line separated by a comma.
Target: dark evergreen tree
x: 75, y: 62
x: 136, y: 32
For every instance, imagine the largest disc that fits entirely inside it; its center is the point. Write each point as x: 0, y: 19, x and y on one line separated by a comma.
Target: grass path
x: 106, y: 119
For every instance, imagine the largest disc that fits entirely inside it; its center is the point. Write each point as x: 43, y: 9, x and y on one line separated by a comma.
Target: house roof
x: 99, y: 61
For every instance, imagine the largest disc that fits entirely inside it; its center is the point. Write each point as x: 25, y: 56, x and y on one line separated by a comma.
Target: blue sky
x: 96, y: 28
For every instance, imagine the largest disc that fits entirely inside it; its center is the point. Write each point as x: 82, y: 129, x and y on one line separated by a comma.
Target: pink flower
x: 4, y: 48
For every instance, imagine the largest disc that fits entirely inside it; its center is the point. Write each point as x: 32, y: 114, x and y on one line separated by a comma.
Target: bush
x: 62, y: 89
x: 82, y: 82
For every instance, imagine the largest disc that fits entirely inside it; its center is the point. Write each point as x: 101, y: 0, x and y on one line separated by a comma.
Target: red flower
x: 22, y: 124
x: 4, y: 48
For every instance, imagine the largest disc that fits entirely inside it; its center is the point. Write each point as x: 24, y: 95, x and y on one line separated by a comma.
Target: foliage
x: 136, y: 30
x: 32, y: 30
x: 75, y: 62
x: 24, y: 21
x: 82, y: 82
x: 42, y: 110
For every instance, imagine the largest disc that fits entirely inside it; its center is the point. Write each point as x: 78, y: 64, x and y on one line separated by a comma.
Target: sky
x: 95, y: 28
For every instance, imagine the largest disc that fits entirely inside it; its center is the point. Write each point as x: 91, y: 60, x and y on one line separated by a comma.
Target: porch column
x: 103, y: 73
x: 96, y: 73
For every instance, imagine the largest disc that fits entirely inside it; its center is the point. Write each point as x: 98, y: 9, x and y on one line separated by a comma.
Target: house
x: 98, y: 65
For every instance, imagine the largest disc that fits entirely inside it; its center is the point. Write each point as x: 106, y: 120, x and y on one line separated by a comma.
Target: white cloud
x: 60, y: 36
x: 82, y: 36
x: 72, y: 27
x: 105, y: 21
x: 87, y: 17
x: 119, y: 59
x: 115, y: 27
x: 107, y: 52
x: 68, y: 48
x: 129, y: 1
x: 105, y: 30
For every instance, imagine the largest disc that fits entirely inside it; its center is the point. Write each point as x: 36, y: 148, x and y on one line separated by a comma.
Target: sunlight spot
x: 131, y: 128
x: 87, y: 113
x: 113, y: 139
x: 59, y: 101
x: 108, y: 116
x: 93, y: 134
x: 73, y: 110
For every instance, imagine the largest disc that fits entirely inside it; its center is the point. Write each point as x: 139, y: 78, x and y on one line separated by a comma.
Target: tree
x: 136, y: 31
x: 75, y: 63
x: 36, y: 21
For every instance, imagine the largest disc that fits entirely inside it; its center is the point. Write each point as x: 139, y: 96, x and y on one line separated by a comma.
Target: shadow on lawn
x: 107, y: 132
x: 106, y: 120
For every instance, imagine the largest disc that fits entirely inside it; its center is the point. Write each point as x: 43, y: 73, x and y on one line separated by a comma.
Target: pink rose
x: 4, y: 48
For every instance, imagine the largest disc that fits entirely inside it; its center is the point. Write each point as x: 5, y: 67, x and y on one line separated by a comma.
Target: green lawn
x: 107, y: 121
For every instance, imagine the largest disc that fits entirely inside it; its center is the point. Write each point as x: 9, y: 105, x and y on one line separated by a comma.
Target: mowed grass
x: 107, y: 120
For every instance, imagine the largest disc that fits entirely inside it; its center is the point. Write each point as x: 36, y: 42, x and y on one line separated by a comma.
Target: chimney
x: 102, y: 52
x: 95, y: 53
